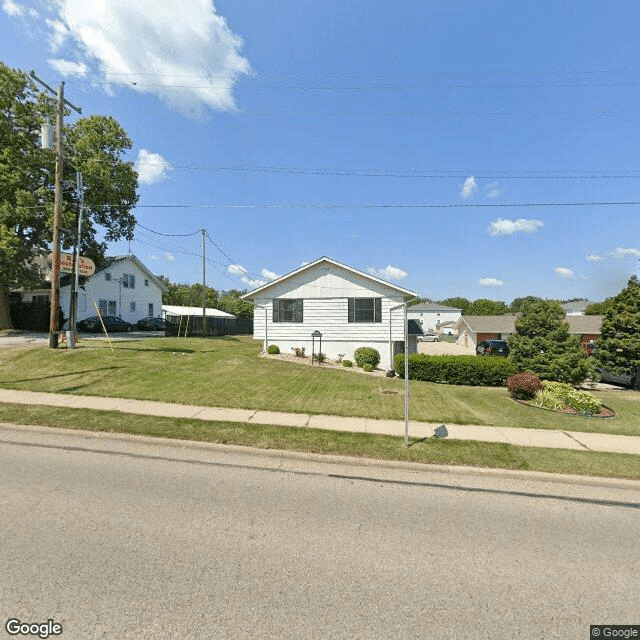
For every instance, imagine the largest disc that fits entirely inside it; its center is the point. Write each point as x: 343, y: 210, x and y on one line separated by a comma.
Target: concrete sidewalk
x: 525, y: 437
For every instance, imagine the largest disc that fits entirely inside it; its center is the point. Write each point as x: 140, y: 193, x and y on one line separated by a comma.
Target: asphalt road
x: 115, y: 539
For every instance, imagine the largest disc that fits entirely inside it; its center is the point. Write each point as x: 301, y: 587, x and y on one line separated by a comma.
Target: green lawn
x: 227, y: 372
x: 449, y: 452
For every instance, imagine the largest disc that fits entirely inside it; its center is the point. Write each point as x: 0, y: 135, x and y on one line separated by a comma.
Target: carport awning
x: 414, y: 328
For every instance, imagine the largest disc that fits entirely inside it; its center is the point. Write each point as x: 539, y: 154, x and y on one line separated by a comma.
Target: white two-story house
x: 123, y: 287
x: 349, y: 308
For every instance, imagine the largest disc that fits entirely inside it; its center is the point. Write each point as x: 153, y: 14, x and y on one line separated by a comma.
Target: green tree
x: 187, y: 295
x: 231, y: 302
x: 456, y: 303
x: 599, y: 308
x: 618, y: 347
x: 542, y: 344
x: 518, y: 303
x: 484, y: 307
x: 94, y: 145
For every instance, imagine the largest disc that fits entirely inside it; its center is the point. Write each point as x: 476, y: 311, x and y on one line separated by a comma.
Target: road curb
x: 369, y: 463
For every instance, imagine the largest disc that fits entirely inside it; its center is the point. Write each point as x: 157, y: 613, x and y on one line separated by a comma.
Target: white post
x: 406, y: 377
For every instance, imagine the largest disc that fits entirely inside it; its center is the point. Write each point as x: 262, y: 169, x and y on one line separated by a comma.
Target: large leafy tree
x: 95, y: 146
x: 187, y: 295
x: 484, y: 307
x: 543, y: 344
x: 618, y: 348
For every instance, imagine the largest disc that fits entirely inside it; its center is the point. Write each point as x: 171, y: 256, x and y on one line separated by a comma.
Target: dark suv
x: 492, y: 348
x: 111, y: 323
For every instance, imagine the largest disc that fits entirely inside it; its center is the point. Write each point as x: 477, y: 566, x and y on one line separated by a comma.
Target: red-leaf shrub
x: 523, y: 386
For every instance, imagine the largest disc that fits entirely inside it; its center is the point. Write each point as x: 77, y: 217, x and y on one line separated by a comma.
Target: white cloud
x: 592, y: 257
x: 506, y: 227
x: 239, y: 270
x: 15, y: 10
x: 58, y: 34
x: 493, y: 190
x: 491, y: 282
x: 151, y: 167
x: 169, y: 257
x: 153, y: 257
x: 469, y: 187
x: 565, y: 273
x: 388, y: 273
x: 269, y: 275
x: 182, y: 52
x: 68, y: 68
x: 625, y: 252
x: 12, y: 8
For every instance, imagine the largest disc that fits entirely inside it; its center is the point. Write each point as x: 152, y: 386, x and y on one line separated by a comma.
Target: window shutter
x: 377, y: 310
x: 351, y: 310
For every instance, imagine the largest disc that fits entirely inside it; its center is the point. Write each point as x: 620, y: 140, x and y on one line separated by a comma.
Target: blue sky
x: 429, y: 142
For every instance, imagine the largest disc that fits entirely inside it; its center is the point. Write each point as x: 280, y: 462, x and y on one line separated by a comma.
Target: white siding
x: 329, y: 316
x: 99, y: 288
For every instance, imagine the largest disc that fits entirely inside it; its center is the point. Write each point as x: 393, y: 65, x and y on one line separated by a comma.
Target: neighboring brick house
x: 473, y: 329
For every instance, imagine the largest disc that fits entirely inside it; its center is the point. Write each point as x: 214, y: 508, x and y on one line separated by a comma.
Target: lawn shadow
x: 60, y: 375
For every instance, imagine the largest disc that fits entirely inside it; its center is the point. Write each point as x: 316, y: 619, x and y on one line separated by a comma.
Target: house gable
x: 327, y: 278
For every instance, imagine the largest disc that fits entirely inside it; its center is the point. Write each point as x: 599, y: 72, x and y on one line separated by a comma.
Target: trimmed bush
x: 347, y: 363
x: 367, y: 367
x: 366, y: 355
x: 524, y: 386
x: 463, y: 370
x: 273, y: 349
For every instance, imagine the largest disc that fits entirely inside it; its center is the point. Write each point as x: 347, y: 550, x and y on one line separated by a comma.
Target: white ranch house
x: 124, y: 287
x: 349, y: 308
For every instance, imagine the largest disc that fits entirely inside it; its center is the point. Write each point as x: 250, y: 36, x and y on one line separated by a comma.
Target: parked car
x: 112, y: 324
x: 621, y: 380
x: 428, y: 337
x: 151, y: 323
x: 493, y: 348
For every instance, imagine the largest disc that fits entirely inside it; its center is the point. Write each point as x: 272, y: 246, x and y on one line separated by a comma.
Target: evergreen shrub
x: 366, y: 355
x: 462, y: 370
x: 273, y: 349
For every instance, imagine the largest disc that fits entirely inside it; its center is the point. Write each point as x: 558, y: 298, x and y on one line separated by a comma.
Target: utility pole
x: 57, y: 209
x: 204, y: 289
x: 73, y: 301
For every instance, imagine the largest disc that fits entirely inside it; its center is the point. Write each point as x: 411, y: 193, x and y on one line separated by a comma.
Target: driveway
x: 444, y: 349
x: 38, y: 339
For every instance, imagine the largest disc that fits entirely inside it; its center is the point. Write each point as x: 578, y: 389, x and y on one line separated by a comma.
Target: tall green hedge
x: 463, y: 370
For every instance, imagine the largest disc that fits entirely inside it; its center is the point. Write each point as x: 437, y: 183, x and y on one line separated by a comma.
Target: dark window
x: 365, y: 309
x: 287, y: 310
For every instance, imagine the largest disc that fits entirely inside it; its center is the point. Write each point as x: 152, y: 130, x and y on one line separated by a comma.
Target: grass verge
x: 358, y: 445
x: 227, y: 372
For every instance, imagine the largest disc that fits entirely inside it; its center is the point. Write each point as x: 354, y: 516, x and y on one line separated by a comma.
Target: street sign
x: 86, y: 267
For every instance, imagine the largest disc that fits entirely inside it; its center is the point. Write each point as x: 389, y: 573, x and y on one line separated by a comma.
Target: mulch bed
x: 604, y: 412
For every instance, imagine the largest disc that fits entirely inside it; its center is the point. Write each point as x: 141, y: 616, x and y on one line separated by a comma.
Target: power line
x: 416, y: 173
x: 171, y: 235
x: 451, y: 205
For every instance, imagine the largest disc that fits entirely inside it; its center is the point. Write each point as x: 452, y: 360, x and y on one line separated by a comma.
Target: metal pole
x: 204, y: 290
x: 73, y: 299
x: 406, y: 377
x: 57, y: 215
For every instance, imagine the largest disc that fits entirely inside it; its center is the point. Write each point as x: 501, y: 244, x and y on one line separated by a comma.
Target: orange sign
x: 86, y: 267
